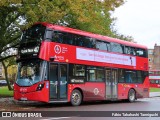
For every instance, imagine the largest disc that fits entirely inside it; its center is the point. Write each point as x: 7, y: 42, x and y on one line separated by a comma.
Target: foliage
x: 89, y: 15
x: 123, y: 37
x: 12, y: 73
x: 11, y: 67
x: 9, y: 32
x: 6, y: 64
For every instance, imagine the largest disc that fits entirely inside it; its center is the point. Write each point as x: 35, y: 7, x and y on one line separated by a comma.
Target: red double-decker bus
x: 154, y: 78
x: 61, y: 64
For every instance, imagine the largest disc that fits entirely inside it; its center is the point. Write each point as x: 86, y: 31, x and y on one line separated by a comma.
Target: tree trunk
x: 6, y: 76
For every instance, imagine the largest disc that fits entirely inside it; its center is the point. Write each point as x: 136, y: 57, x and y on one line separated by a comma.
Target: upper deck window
x: 89, y: 42
x: 73, y: 39
x: 35, y: 33
x: 57, y: 37
x: 141, y: 52
x: 130, y: 50
x: 101, y: 45
x: 115, y: 47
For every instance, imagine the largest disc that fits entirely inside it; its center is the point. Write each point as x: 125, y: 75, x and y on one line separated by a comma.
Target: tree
x: 9, y: 35
x: 7, y: 63
x: 89, y: 15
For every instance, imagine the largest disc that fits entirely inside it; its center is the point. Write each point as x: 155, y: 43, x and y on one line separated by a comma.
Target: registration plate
x: 23, y: 98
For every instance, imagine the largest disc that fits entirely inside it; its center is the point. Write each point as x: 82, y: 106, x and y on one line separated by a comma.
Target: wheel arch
x: 76, y: 97
x: 134, y: 90
x: 129, y: 96
x: 77, y: 88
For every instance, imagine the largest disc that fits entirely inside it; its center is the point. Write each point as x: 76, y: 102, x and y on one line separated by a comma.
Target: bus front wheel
x: 131, y: 95
x: 76, y: 97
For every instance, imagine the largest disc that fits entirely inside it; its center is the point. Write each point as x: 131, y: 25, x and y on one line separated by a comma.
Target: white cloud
x: 140, y: 19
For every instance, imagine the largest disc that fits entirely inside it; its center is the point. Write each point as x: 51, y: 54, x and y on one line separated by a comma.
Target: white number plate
x: 24, y: 99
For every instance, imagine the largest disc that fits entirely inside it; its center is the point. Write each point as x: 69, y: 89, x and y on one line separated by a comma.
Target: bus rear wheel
x: 76, y: 97
x: 131, y: 95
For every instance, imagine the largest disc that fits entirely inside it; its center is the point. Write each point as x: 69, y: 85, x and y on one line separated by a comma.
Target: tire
x: 76, y: 97
x: 131, y: 95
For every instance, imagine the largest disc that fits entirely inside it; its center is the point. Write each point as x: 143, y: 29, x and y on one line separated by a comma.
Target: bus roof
x: 97, y: 36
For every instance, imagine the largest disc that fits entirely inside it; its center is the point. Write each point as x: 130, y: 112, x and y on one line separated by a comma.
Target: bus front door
x: 58, y: 82
x: 111, y: 83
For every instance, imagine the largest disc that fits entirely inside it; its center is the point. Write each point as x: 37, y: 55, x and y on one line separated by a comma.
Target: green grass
x: 154, y: 89
x: 5, y: 92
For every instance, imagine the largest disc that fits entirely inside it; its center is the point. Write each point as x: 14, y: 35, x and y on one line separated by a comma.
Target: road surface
x: 146, y: 105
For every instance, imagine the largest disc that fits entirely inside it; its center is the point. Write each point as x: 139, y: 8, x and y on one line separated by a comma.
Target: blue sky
x: 141, y: 20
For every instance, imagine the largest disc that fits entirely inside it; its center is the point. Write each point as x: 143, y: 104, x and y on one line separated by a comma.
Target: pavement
x: 8, y: 103
x: 6, y: 99
x: 154, y: 94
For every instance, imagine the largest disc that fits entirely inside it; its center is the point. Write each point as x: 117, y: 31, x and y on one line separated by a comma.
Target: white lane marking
x: 58, y: 118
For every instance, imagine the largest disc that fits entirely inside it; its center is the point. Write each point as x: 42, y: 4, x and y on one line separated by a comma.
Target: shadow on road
x: 59, y: 105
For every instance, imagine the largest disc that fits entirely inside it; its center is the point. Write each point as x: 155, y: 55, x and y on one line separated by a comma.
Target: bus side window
x: 68, y: 38
x: 127, y: 50
x: 152, y: 81
x: 100, y: 74
x: 121, y: 76
x: 115, y: 47
x: 101, y: 45
x: 87, y: 42
x: 95, y: 74
x: 78, y: 40
x: 139, y: 77
x: 92, y: 43
x: 91, y: 75
x: 130, y: 50
x: 57, y: 37
x: 49, y: 34
x: 108, y: 46
x: 79, y: 70
x: 141, y: 52
x: 130, y: 76
x: 133, y: 51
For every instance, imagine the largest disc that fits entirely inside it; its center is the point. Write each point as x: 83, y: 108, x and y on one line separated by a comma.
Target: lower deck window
x: 130, y: 76
x: 155, y: 81
x: 95, y: 74
x: 102, y: 74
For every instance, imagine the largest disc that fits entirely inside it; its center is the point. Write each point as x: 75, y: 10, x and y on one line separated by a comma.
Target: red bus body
x: 57, y: 54
x: 154, y: 78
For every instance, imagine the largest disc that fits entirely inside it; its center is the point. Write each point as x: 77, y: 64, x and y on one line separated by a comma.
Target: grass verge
x: 5, y: 92
x: 154, y: 89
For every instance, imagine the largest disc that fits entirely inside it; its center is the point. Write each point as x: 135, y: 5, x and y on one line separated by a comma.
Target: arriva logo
x: 57, y: 49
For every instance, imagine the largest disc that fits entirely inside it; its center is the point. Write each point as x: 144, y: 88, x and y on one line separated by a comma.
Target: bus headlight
x: 36, y: 49
x: 40, y: 87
